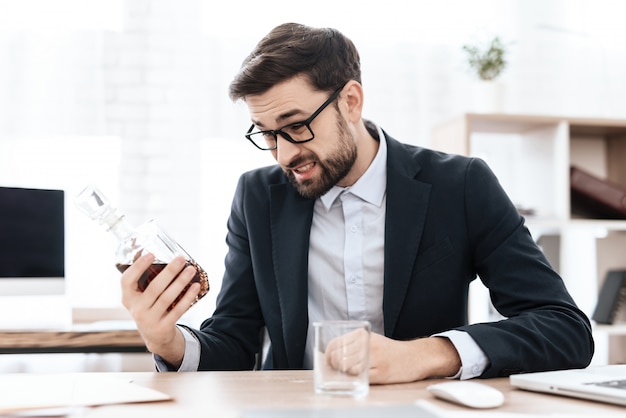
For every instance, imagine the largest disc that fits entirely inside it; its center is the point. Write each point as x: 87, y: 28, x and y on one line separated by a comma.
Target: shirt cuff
x: 473, y: 358
x: 191, y: 358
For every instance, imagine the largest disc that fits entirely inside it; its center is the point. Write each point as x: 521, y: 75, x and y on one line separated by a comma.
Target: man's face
x: 313, y: 167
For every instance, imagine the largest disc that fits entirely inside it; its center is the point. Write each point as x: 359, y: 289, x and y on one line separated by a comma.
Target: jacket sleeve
x: 543, y: 329
x: 229, y: 340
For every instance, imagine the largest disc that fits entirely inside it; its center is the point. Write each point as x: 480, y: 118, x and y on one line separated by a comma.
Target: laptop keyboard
x: 615, y: 384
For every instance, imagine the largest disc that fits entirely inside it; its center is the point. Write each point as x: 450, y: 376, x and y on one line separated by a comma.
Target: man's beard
x: 332, y: 170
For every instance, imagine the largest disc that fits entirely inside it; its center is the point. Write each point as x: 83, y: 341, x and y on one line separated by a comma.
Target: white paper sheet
x: 25, y: 391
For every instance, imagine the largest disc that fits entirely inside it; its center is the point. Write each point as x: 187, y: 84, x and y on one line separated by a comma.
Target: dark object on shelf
x: 594, y: 197
x: 612, y: 294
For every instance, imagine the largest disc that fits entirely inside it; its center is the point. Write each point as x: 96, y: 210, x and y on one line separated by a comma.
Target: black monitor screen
x: 32, y: 233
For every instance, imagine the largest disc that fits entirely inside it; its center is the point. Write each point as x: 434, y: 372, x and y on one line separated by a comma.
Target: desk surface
x: 226, y: 394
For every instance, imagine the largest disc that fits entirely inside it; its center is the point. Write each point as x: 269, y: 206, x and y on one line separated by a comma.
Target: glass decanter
x: 136, y: 241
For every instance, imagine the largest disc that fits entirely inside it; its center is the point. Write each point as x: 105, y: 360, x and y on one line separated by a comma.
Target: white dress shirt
x: 346, y: 267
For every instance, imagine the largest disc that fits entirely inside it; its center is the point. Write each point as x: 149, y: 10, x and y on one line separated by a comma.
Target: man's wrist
x: 171, y: 354
x: 474, y: 361
x: 446, y: 360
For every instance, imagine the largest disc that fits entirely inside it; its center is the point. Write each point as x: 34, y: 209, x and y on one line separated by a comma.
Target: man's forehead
x: 280, y: 103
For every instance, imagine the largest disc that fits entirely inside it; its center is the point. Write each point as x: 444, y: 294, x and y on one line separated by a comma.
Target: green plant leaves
x: 487, y: 63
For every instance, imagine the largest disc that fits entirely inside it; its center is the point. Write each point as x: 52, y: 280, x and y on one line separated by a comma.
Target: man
x: 352, y: 224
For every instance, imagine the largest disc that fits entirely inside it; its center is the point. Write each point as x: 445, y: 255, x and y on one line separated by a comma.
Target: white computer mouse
x: 468, y: 393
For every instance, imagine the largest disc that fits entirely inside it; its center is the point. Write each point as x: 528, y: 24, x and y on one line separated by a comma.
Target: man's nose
x: 285, y: 150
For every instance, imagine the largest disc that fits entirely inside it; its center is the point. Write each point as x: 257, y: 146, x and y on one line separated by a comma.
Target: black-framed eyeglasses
x: 296, y: 133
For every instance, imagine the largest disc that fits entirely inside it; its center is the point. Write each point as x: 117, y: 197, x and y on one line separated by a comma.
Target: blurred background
x: 131, y: 95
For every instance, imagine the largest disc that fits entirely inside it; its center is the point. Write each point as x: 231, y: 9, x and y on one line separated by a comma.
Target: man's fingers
x: 164, y: 290
x: 165, y: 277
x: 172, y: 296
x: 131, y: 275
x: 348, y: 353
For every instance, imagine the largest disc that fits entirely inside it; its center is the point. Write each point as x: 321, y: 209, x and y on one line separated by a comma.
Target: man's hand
x: 347, y: 353
x: 393, y: 361
x: 149, y: 309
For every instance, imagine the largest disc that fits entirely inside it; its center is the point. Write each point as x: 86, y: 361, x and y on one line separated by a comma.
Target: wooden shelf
x: 613, y: 329
x: 531, y: 155
x: 105, y: 341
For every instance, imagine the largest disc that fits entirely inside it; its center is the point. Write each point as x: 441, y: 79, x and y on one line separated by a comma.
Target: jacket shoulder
x: 427, y: 162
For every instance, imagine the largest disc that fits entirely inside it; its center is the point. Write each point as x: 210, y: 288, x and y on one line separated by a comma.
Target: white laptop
x: 598, y: 383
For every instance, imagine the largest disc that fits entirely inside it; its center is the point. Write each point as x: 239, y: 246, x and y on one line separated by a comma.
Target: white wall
x: 155, y: 74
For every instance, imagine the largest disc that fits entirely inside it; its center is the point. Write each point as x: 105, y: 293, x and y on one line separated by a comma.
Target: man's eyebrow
x: 281, y: 118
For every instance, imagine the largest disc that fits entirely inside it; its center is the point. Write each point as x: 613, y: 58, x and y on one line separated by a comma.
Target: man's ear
x: 352, y: 96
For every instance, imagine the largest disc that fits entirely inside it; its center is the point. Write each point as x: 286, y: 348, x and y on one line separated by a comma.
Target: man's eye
x: 296, y: 128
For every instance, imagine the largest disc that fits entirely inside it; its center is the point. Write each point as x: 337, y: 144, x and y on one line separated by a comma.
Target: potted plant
x: 487, y: 62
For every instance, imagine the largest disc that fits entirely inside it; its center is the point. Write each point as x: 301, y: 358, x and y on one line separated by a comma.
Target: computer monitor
x: 32, y: 241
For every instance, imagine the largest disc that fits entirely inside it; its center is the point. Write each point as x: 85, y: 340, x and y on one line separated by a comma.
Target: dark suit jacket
x: 447, y: 221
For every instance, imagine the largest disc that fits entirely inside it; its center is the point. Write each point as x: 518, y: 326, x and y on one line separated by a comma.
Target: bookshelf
x: 531, y: 155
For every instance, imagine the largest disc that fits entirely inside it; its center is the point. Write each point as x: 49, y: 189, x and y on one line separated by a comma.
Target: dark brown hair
x: 324, y: 55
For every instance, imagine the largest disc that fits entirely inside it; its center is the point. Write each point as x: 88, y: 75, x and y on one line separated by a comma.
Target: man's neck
x: 367, y: 144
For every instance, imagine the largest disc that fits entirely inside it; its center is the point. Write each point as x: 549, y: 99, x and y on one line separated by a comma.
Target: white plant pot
x: 487, y: 97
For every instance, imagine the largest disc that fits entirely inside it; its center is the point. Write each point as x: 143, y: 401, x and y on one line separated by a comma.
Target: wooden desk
x: 104, y: 341
x: 226, y: 394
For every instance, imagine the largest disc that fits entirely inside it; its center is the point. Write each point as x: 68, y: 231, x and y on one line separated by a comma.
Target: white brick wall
x: 155, y: 102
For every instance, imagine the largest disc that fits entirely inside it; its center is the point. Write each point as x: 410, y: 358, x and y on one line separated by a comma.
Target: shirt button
x: 354, y: 228
x: 353, y: 279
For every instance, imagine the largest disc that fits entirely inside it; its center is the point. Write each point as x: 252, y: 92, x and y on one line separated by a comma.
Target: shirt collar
x: 371, y: 186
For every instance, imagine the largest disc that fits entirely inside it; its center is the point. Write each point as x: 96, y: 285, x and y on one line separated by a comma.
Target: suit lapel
x: 291, y: 217
x: 407, y: 202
